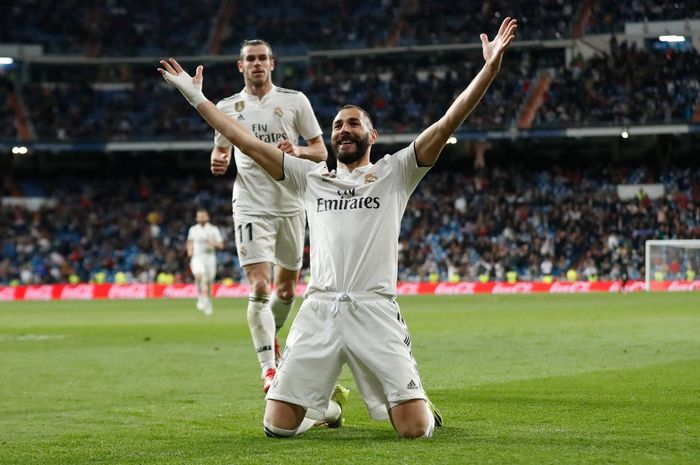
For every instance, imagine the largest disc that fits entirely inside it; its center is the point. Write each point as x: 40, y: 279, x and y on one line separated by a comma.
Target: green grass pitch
x: 538, y: 379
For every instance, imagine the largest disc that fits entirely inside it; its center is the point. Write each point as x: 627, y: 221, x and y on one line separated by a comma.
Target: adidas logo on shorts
x: 411, y: 385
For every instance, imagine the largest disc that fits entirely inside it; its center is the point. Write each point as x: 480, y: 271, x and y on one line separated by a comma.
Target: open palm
x: 493, y: 50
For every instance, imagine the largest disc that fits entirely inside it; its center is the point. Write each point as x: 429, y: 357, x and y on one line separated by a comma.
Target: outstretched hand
x: 190, y: 87
x: 493, y: 50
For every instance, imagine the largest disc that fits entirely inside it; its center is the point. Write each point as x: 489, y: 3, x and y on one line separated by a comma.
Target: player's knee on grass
x: 412, y: 430
x: 283, y: 416
x: 412, y: 419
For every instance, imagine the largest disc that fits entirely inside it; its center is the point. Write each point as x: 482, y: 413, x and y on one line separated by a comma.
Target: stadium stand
x: 611, y: 16
x: 627, y: 86
x: 138, y: 28
x: 106, y: 225
x: 121, y: 102
x: 403, y: 61
x: 458, y: 224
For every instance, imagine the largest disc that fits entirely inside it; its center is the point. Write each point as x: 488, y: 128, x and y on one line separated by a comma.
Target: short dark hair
x: 248, y: 42
x: 362, y: 110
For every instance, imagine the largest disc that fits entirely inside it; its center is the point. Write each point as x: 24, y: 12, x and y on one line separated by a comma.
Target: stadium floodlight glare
x: 452, y: 140
x: 19, y: 150
x: 672, y: 38
x: 6, y: 61
x: 624, y: 134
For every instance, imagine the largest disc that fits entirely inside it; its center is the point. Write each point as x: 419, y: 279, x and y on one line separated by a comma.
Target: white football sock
x: 203, y: 288
x: 306, y: 424
x: 262, y: 328
x: 280, y: 309
x: 333, y: 412
x: 431, y: 423
x: 274, y: 432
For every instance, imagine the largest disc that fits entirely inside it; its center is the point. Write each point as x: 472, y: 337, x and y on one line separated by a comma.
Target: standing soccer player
x: 349, y: 314
x: 269, y: 220
x: 203, y: 239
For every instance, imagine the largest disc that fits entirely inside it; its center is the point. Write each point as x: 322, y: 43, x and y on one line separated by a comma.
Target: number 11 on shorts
x: 249, y: 228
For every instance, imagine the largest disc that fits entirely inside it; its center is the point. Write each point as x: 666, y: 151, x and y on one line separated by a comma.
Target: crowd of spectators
x: 138, y: 28
x: 103, y: 226
x: 459, y: 225
x: 133, y: 103
x: 610, y: 15
x: 299, y: 26
x: 462, y: 21
x: 627, y: 86
x: 541, y: 222
x: 405, y: 93
x: 109, y: 28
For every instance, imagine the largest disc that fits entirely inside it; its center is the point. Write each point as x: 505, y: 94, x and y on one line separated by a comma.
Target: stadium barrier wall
x: 189, y: 291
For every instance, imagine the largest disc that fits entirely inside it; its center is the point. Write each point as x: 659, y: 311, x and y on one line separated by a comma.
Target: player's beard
x: 361, y: 146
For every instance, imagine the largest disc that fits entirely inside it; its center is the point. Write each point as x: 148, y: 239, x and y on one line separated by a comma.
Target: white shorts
x: 205, y: 266
x: 369, y: 335
x: 270, y: 239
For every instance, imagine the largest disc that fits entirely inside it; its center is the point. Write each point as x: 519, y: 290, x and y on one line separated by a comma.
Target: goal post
x: 671, y: 259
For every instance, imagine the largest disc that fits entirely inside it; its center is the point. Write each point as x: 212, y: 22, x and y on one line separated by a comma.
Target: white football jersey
x: 199, y: 235
x: 280, y: 114
x: 354, y: 220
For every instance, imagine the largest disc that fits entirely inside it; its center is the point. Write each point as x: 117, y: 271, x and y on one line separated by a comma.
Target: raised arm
x: 430, y: 142
x: 268, y: 157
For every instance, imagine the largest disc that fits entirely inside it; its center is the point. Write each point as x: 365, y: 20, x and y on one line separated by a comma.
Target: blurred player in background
x: 269, y: 220
x: 349, y: 314
x: 203, y: 239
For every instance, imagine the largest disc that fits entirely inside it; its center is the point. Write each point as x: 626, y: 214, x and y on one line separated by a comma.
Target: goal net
x: 670, y: 260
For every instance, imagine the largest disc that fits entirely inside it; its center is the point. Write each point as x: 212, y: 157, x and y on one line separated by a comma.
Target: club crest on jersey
x: 239, y: 106
x: 278, y: 112
x: 370, y: 177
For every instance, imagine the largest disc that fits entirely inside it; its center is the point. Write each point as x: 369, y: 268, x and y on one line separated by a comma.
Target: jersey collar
x: 248, y: 96
x: 343, y: 173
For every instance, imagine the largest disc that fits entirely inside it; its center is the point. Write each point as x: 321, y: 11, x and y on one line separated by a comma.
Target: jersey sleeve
x: 219, y: 140
x: 409, y: 173
x: 190, y: 233
x: 295, y: 172
x: 306, y: 122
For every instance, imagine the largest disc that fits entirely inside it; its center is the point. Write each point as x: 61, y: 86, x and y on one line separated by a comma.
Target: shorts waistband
x: 346, y: 296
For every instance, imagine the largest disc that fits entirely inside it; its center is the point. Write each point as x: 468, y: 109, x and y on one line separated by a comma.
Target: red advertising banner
x: 48, y: 292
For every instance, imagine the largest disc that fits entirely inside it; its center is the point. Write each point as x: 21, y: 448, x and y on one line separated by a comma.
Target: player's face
x: 351, y: 136
x: 256, y: 65
x: 202, y: 217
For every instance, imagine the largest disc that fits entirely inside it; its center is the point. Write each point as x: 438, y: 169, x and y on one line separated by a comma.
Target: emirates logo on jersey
x: 370, y: 177
x: 239, y: 106
x: 278, y: 112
